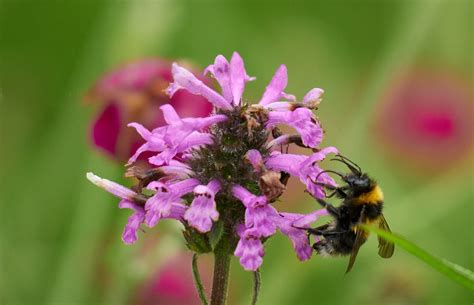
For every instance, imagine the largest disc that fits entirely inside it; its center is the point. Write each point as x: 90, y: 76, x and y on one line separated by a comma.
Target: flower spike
x: 221, y: 175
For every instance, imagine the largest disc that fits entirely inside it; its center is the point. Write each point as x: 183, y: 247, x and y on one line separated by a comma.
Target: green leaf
x: 216, y: 234
x: 195, y: 241
x: 453, y: 271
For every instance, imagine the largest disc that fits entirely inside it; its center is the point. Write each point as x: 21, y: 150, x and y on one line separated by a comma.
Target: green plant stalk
x: 197, y: 280
x: 256, y: 286
x: 453, y: 271
x: 222, y: 256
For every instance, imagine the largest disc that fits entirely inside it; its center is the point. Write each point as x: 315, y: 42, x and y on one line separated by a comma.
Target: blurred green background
x: 60, y: 236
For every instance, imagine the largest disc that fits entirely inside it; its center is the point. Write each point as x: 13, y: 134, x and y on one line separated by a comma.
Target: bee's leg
x: 337, y: 190
x: 315, y: 231
x: 329, y: 207
x: 339, y: 193
x: 322, y: 232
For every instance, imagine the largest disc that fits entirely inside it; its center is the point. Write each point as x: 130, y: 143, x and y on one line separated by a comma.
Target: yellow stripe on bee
x: 373, y: 197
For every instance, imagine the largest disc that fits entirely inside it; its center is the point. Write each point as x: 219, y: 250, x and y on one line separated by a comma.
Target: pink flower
x: 425, y: 120
x: 231, y: 77
x: 230, y: 153
x: 255, y: 158
x: 249, y: 248
x: 133, y: 92
x: 128, y: 197
x: 306, y: 168
x: 202, y: 211
x: 172, y: 283
x: 129, y: 235
x: 183, y: 79
x: 166, y: 203
x: 274, y: 91
x: 178, y: 136
x: 290, y: 224
x: 258, y: 213
x: 303, y: 120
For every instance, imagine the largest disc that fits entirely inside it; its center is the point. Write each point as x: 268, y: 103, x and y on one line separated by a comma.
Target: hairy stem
x: 256, y: 286
x: 222, y: 255
x: 197, y: 280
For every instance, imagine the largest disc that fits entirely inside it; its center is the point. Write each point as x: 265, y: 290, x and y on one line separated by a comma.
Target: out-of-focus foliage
x: 60, y: 236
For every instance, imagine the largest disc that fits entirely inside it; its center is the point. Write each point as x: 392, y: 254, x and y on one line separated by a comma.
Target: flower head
x: 220, y: 175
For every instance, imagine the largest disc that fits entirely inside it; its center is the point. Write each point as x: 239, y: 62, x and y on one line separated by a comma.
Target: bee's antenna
x: 327, y: 171
x: 351, y: 164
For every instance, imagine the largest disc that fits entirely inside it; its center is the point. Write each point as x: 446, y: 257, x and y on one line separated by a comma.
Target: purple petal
x: 163, y: 157
x: 164, y: 210
x: 274, y: 90
x: 174, y: 138
x: 278, y: 141
x: 166, y: 200
x: 289, y: 163
x: 111, y: 187
x: 279, y: 106
x: 238, y: 77
x: 154, y: 141
x: 303, y: 120
x: 258, y: 213
x: 129, y: 235
x: 321, y: 155
x: 304, y: 167
x: 255, y: 159
x: 313, y: 97
x: 202, y: 211
x: 309, y: 171
x: 249, y: 250
x: 304, y: 221
x: 170, y: 115
x: 183, y: 79
x: 195, y: 139
x: 298, y: 237
x: 184, y: 187
x: 200, y: 123
x: 221, y: 71
x: 261, y: 219
x: 241, y: 193
x: 177, y: 169
x: 248, y: 199
x: 142, y: 131
x: 158, y: 206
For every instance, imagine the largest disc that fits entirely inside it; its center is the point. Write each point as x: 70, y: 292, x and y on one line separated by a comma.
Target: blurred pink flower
x: 426, y: 120
x: 133, y: 93
x: 173, y: 283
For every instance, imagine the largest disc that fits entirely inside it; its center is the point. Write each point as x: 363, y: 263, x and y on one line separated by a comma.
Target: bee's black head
x: 358, y: 181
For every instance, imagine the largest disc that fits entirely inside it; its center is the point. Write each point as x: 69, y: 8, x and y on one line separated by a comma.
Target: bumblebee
x: 362, y: 203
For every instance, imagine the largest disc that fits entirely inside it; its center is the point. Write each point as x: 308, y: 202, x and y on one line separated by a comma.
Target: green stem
x: 459, y: 274
x: 197, y: 280
x: 256, y: 286
x: 222, y: 255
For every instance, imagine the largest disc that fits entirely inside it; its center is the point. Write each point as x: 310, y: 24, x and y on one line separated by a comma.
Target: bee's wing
x: 361, y: 237
x: 386, y: 248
